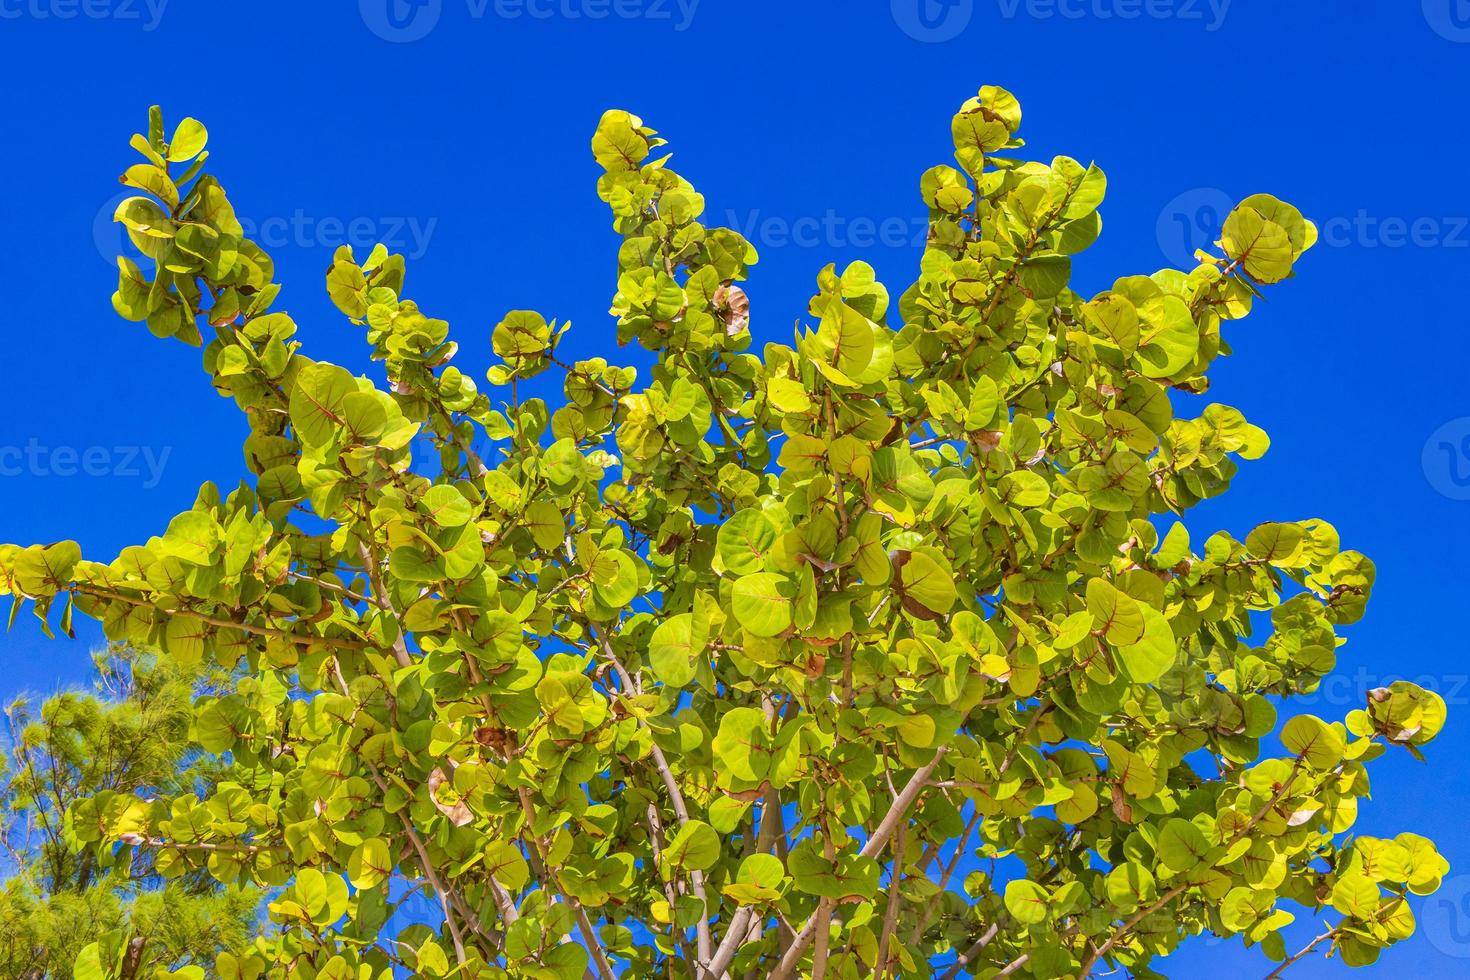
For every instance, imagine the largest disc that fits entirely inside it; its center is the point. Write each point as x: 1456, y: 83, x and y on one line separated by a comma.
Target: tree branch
x: 1302, y: 953
x: 676, y: 798
x: 968, y: 955
x: 898, y: 811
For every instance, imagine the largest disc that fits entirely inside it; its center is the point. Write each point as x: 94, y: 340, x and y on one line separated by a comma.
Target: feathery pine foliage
x: 130, y: 736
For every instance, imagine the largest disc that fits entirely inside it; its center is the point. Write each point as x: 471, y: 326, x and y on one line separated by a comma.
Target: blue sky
x: 456, y: 130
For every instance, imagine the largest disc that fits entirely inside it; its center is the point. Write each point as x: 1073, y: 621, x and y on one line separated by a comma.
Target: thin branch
x: 676, y: 798
x: 961, y: 848
x: 890, y: 917
x: 975, y: 949
x: 898, y: 811
x: 342, y: 643
x: 382, y: 600
x: 418, y: 845
x: 735, y: 937
x: 548, y: 875
x: 1302, y: 953
x: 1127, y: 927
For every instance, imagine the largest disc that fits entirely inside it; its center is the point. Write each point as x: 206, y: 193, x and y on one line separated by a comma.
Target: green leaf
x: 1181, y: 847
x: 743, y: 744
x: 1130, y: 886
x: 696, y: 847
x: 503, y: 860
x: 145, y: 217
x: 619, y: 143
x: 562, y: 464
x: 845, y: 340
x: 618, y: 587
x: 1274, y: 542
x: 1317, y: 744
x: 761, y: 880
x: 88, y: 965
x: 547, y: 525
x: 1154, y: 653
x: 184, y: 638
x: 447, y: 507
x: 1262, y: 247
x: 788, y: 395
x: 193, y: 537
x: 850, y: 876
x: 1117, y: 616
x: 318, y: 402
x: 370, y: 864
x: 1356, y: 895
x: 432, y: 960
x: 762, y: 603
x: 188, y: 140
x: 672, y: 650
x: 521, y: 334
x: 745, y: 541
x: 925, y: 583
x: 1027, y: 902
x: 1024, y: 488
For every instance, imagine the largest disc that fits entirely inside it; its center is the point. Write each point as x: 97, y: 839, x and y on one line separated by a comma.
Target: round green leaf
x: 760, y: 880
x: 696, y: 847
x: 1027, y: 902
x: 447, y: 507
x: 370, y: 863
x: 671, y: 650
x: 1151, y: 657
x: 1182, y: 846
x: 762, y: 603
x: 1317, y: 744
x: 745, y: 540
x: 925, y: 583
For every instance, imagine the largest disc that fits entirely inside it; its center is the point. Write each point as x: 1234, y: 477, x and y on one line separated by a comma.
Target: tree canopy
x: 129, y: 736
x: 880, y: 652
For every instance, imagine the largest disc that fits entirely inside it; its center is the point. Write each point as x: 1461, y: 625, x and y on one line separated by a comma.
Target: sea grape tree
x: 879, y: 652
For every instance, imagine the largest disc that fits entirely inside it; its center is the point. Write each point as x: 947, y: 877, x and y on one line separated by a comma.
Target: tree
x: 881, y: 652
x: 131, y: 736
